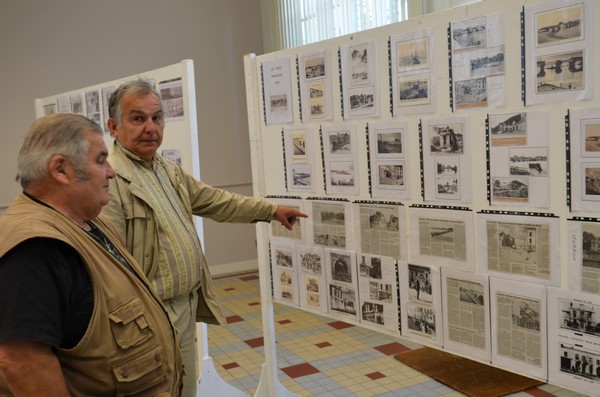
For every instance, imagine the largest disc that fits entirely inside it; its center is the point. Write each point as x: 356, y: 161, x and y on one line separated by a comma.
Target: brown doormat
x: 466, y: 376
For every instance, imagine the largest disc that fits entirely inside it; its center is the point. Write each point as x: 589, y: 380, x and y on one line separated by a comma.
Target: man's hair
x: 55, y: 134
x: 139, y: 88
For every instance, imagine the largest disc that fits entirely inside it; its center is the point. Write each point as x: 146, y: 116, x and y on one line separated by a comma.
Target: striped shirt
x: 179, y: 266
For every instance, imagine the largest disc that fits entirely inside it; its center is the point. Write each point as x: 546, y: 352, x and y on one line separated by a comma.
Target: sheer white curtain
x: 292, y: 23
x: 297, y: 22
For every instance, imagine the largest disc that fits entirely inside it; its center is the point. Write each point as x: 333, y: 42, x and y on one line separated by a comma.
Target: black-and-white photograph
x: 447, y: 187
x: 359, y: 64
x: 172, y: 99
x: 526, y: 313
x: 441, y: 235
x: 561, y: 25
x: 419, y: 283
x: 378, y: 220
x: 362, y: 98
x: 312, y: 284
x: 340, y: 143
x: 342, y: 299
x: 279, y: 103
x: 314, y: 68
x: 390, y: 174
x: 412, y: 54
x: 372, y: 312
x: 313, y: 299
x: 283, y: 258
x: 447, y: 166
x: 471, y: 295
x: 471, y: 93
x: 92, y: 105
x: 560, y: 72
x: 577, y: 360
x: 413, y: 90
x: 389, y: 142
x: 580, y: 317
x: 514, y: 189
x: 301, y: 175
x: 341, y: 173
x: 285, y: 278
x: 76, y: 103
x: 299, y: 145
x: 329, y: 240
x: 518, y: 243
x: 287, y: 293
x: 488, y: 62
x: 446, y: 139
x: 380, y: 291
x: 317, y: 100
x: 332, y: 217
x: 590, y: 247
x: 508, y: 129
x: 421, y: 319
x: 469, y: 34
x: 311, y: 262
x: 591, y: 173
x: 341, y: 267
x: 528, y: 161
x: 590, y: 131
x: 370, y: 269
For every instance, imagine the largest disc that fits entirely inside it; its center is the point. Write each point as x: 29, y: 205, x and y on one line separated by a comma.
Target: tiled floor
x: 316, y: 355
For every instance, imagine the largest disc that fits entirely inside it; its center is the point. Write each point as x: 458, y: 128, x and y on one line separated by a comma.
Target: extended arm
x: 31, y: 369
x: 287, y: 216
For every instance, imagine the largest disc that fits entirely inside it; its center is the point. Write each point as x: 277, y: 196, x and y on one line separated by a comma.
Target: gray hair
x: 55, y: 134
x: 139, y: 88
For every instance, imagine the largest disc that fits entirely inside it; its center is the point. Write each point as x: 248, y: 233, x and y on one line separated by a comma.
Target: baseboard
x: 233, y: 268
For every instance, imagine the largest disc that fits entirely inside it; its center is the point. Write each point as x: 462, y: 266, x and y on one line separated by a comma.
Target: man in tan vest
x: 77, y: 315
x: 153, y: 202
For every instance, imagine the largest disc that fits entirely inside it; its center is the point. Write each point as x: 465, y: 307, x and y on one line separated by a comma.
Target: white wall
x: 55, y: 46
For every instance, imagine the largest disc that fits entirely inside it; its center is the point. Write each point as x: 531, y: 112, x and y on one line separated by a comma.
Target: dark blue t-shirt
x: 45, y: 294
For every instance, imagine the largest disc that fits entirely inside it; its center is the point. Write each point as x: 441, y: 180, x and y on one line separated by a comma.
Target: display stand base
x: 211, y: 383
x: 263, y: 389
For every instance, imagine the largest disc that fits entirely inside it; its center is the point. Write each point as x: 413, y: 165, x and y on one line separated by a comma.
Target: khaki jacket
x: 130, y: 210
x: 130, y: 346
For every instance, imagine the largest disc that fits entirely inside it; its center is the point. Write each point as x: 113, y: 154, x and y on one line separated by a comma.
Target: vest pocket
x: 138, y: 374
x: 129, y: 325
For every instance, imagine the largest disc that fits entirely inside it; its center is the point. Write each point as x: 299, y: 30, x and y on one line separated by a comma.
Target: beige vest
x: 129, y: 347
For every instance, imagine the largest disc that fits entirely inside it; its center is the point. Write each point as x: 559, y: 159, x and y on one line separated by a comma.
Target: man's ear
x: 57, y: 169
x: 112, y: 126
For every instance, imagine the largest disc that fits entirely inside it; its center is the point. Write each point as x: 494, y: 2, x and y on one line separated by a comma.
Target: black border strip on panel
x: 440, y: 207
x: 523, y: 87
x: 368, y: 161
x: 518, y: 213
x: 285, y: 176
x: 421, y: 160
x: 450, y: 82
x: 323, y: 158
x: 262, y: 84
x: 341, y: 82
x: 277, y: 196
x: 583, y: 219
x: 398, y: 297
x: 271, y: 272
x: 378, y: 202
x: 487, y: 160
x: 391, y: 77
x: 329, y: 199
x: 568, y: 156
x: 299, y: 89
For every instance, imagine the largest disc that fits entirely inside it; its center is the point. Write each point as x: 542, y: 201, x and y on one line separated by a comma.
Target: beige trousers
x: 182, y: 312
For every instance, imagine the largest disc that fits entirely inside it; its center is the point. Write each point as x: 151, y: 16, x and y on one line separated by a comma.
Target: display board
x: 176, y: 85
x: 481, y: 125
